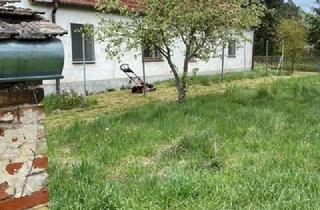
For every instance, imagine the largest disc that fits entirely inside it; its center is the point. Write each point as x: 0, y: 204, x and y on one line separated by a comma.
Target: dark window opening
x: 232, y: 49
x: 76, y: 38
x: 152, y: 55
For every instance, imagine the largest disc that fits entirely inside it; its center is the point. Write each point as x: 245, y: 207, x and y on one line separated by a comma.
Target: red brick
x: 33, y: 200
x: 13, y: 168
x: 41, y: 163
x: 1, y: 132
x: 3, y: 187
x: 21, y: 97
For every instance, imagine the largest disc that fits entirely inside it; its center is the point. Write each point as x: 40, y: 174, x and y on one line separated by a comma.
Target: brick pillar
x: 23, y: 160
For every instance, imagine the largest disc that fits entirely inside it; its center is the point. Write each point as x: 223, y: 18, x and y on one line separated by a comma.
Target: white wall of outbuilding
x: 105, y: 73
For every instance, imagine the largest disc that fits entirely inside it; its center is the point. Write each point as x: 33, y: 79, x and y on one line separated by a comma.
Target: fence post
x: 282, y: 66
x: 317, y: 57
x: 267, y: 55
x: 144, y: 72
x: 222, y: 60
x: 245, y: 55
x: 84, y: 71
x: 253, y: 50
x: 58, y: 87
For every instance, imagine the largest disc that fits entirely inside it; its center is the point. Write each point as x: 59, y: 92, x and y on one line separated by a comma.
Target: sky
x: 305, y: 4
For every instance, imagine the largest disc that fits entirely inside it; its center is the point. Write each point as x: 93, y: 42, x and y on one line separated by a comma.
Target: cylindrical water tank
x: 31, y: 60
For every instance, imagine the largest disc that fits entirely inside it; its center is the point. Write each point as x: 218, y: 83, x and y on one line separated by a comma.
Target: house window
x: 152, y: 55
x: 232, y: 49
x: 76, y: 37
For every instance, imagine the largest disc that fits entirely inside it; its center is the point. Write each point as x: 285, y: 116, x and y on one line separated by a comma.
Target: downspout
x: 54, y: 10
x: 53, y: 18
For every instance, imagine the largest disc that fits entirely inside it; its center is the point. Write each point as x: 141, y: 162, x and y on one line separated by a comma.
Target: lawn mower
x: 138, y: 83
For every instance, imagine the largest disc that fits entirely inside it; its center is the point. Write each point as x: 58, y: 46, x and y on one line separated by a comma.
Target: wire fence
x: 270, y: 55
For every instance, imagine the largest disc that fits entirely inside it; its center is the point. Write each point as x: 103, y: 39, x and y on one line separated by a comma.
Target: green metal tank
x: 31, y: 60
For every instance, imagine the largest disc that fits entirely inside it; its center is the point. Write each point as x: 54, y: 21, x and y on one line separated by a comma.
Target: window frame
x: 75, y: 60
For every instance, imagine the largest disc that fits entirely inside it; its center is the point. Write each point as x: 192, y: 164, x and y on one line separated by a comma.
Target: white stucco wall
x: 105, y: 73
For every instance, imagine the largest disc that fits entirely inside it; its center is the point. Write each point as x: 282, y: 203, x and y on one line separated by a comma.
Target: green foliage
x: 274, y: 3
x: 304, y: 92
x: 294, y: 36
x: 65, y: 101
x: 206, y: 80
x: 290, y: 10
x: 197, y: 144
x: 209, y: 153
x: 274, y: 89
x: 263, y: 93
x: 202, y: 80
x: 237, y: 94
x: 309, y: 93
x: 201, y: 26
x: 277, y: 10
x: 314, y: 30
x: 295, y: 87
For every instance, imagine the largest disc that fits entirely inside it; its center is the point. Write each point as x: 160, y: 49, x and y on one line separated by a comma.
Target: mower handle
x: 124, y: 66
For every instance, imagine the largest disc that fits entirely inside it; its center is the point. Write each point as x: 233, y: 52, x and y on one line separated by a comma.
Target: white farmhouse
x: 104, y: 73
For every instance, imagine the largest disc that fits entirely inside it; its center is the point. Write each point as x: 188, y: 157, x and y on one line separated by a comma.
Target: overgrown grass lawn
x: 242, y: 149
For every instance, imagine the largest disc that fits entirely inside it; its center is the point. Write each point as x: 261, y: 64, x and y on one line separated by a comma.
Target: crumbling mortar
x: 36, y: 173
x: 28, y: 174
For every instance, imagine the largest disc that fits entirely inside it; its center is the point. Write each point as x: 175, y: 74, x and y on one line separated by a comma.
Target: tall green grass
x: 66, y: 101
x: 207, y: 80
x: 245, y: 149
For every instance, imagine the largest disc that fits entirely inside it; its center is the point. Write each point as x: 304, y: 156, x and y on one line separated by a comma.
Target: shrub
x: 237, y: 94
x: 295, y: 88
x: 308, y: 93
x: 263, y: 92
x: 201, y: 80
x: 66, y: 101
x: 274, y: 89
x: 202, y: 146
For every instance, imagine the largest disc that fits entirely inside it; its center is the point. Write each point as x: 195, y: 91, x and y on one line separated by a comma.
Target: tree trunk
x: 179, y: 87
x: 183, y: 91
x: 181, y: 83
x: 181, y: 95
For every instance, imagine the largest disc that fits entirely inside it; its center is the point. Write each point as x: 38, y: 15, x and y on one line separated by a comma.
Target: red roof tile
x: 26, y: 24
x: 131, y: 4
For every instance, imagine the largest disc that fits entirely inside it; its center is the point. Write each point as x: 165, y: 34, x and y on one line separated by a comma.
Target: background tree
x: 289, y: 10
x: 277, y: 10
x: 201, y: 26
x: 314, y: 28
x: 294, y: 36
